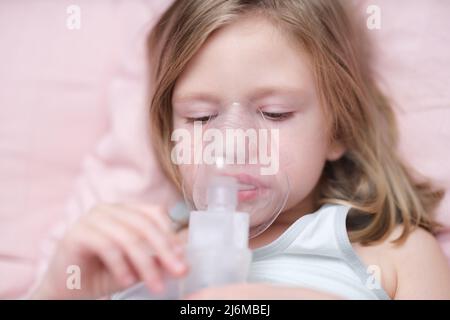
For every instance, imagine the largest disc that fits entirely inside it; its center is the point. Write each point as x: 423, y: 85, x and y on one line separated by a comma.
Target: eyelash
x: 276, y: 116
x: 203, y: 119
x: 273, y: 116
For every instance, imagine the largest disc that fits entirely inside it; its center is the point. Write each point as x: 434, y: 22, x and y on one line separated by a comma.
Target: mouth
x: 250, y: 187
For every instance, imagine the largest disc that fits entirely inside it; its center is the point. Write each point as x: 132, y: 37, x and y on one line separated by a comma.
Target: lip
x: 246, y: 179
x: 249, y: 187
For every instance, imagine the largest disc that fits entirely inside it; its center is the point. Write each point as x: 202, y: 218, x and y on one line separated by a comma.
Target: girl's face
x: 252, y: 60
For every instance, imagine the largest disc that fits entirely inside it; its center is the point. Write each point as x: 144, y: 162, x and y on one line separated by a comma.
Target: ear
x: 335, y: 151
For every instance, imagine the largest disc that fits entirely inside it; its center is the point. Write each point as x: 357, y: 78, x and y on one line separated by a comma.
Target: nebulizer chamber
x: 217, y: 250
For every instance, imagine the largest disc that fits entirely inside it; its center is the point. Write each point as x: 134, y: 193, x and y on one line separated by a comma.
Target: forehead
x: 249, y: 53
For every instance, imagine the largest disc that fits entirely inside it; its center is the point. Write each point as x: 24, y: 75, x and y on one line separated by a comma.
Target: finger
x: 135, y: 248
x: 165, y: 245
x: 109, y: 254
x: 158, y: 214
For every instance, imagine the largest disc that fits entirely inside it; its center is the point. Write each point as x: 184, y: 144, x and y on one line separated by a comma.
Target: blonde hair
x: 370, y: 177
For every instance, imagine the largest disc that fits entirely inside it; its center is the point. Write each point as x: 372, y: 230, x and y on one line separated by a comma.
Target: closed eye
x: 276, y: 116
x: 202, y: 119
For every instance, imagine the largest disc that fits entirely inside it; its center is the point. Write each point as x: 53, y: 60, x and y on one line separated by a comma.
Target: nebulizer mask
x: 235, y: 191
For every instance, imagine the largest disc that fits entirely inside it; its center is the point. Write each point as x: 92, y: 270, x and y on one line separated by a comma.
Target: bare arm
x: 422, y: 269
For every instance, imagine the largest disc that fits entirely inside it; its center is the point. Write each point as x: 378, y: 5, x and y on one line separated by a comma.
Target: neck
x: 284, y: 220
x: 307, y: 205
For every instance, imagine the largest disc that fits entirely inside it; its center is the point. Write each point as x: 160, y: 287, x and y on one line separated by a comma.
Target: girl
x: 354, y: 211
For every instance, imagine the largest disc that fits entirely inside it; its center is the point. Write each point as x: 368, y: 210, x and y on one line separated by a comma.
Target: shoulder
x: 423, y: 271
x: 420, y: 268
x: 420, y: 248
x: 418, y: 243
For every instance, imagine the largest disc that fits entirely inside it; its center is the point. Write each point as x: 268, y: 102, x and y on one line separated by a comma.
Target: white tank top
x: 314, y: 252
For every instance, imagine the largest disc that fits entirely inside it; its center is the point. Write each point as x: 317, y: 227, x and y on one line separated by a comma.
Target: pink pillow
x: 59, y: 88
x: 413, y: 59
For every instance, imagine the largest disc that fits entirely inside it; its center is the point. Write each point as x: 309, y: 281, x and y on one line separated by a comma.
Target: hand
x: 114, y: 247
x: 258, y: 291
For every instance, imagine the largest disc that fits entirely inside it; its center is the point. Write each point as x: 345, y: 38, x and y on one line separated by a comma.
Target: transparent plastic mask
x: 241, y: 143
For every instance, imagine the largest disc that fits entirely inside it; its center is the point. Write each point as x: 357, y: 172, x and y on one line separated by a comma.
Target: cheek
x: 188, y: 175
x: 187, y: 171
x: 303, y: 158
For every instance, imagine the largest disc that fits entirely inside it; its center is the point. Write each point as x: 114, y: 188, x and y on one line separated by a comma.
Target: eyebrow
x: 257, y: 94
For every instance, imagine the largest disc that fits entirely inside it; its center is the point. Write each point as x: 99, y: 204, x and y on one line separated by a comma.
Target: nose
x: 239, y: 128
